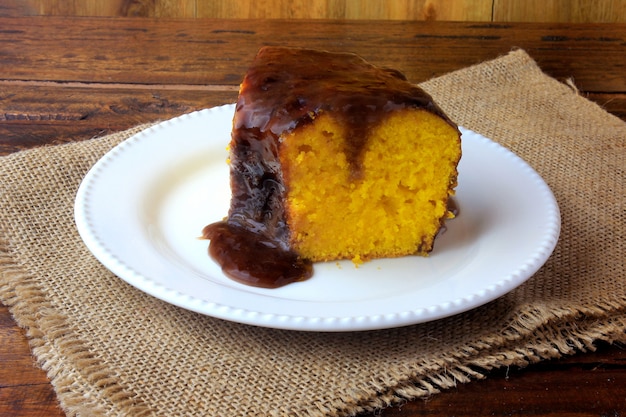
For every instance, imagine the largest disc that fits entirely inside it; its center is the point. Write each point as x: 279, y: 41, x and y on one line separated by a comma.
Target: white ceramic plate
x: 142, y: 207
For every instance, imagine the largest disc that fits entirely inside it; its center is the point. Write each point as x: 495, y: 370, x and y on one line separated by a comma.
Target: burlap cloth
x: 111, y: 350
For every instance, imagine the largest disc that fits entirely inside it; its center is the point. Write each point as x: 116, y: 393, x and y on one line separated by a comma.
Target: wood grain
x: 573, y: 11
x: 36, y: 114
x: 29, y: 392
x: 457, y: 10
x: 106, y: 8
x: 217, y: 52
x: 550, y: 389
x: 479, y: 10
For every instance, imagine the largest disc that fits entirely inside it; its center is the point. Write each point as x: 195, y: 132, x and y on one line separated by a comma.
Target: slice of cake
x: 331, y: 158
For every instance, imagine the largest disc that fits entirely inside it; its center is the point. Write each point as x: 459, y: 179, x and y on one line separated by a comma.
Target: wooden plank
x: 71, y: 8
x: 13, y: 8
x: 441, y: 10
x: 105, y: 8
x: 160, y: 8
x: 29, y: 392
x: 458, y: 10
x: 32, y: 400
x: 572, y: 11
x: 270, y: 9
x: 554, y: 386
x: 36, y: 115
x: 26, y: 119
x: 218, y: 52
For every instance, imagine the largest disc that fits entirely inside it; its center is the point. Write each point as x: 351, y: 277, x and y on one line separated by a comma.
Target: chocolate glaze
x: 286, y: 88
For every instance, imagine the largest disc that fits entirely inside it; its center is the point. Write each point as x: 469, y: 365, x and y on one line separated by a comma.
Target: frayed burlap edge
x: 569, y: 332
x: 51, y: 340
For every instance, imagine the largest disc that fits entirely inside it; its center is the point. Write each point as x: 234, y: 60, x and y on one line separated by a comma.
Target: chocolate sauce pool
x: 249, y: 259
x: 284, y: 89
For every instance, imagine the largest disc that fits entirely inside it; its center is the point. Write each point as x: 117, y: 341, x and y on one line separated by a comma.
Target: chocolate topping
x: 286, y: 88
x: 283, y: 90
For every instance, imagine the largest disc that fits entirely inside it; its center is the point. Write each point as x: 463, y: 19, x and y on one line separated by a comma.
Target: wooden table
x: 69, y: 79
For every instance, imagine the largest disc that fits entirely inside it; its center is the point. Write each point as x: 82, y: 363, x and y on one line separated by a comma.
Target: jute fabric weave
x: 111, y: 350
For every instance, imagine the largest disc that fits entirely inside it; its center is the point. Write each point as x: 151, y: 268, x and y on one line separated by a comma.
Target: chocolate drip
x: 283, y: 90
x: 254, y: 261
